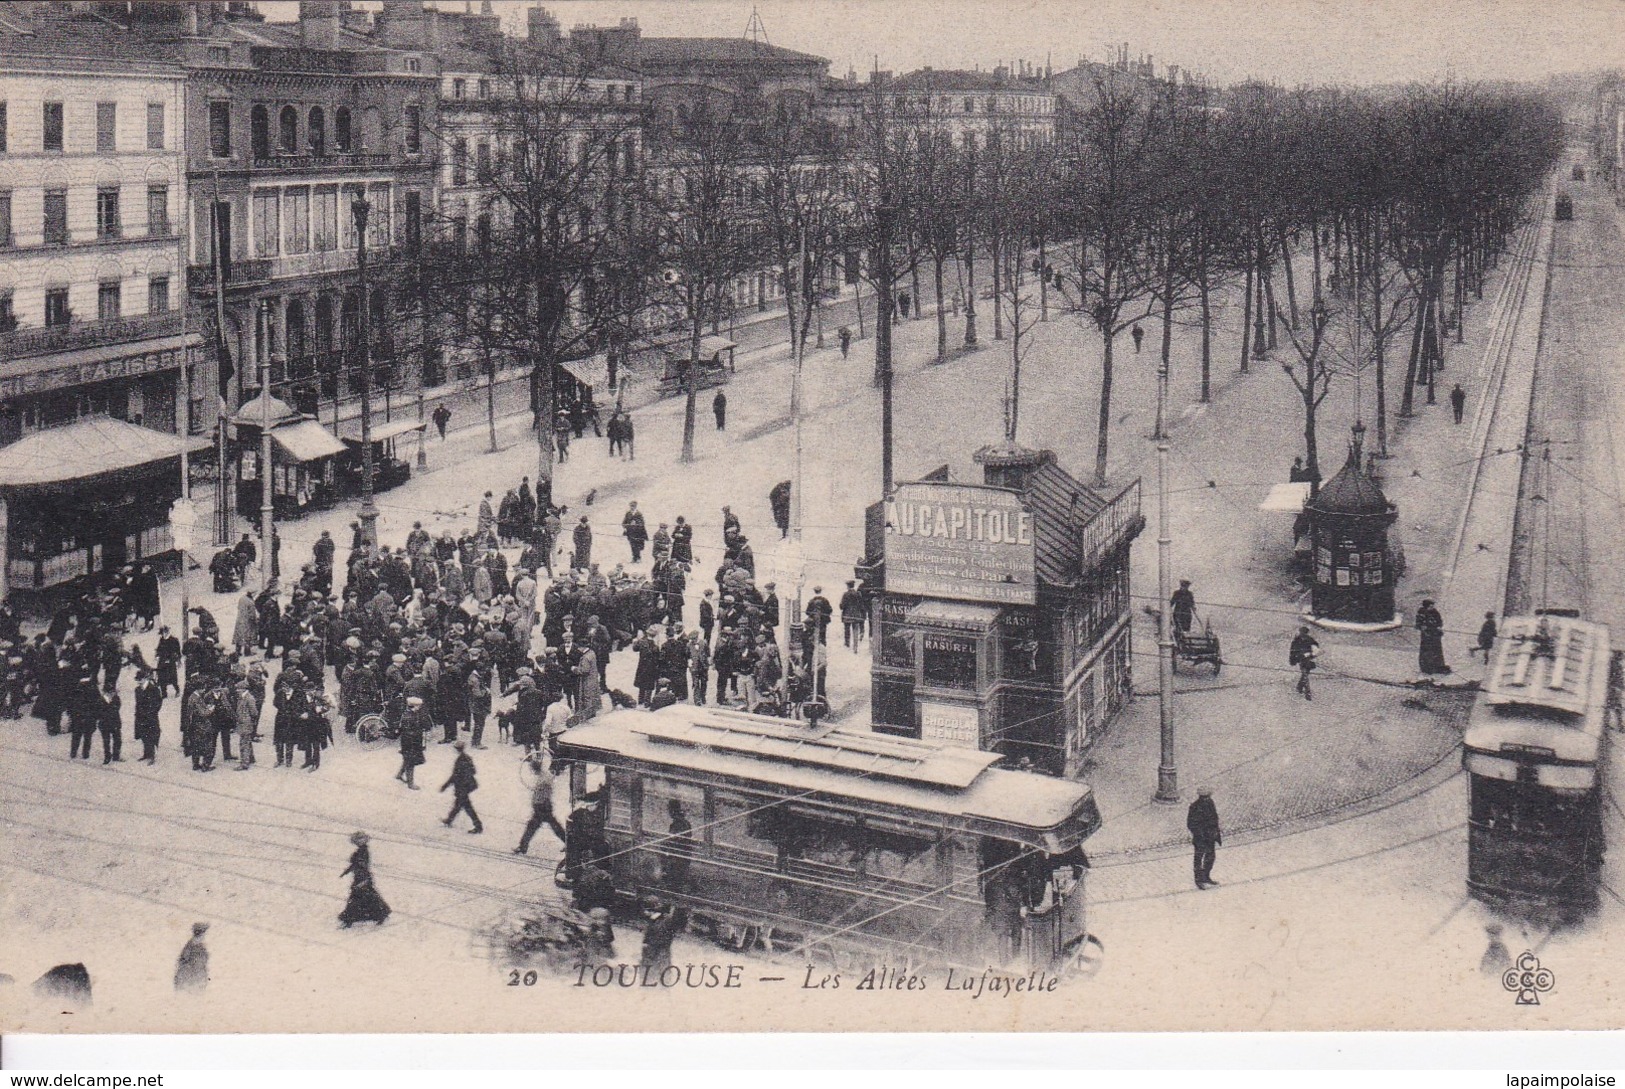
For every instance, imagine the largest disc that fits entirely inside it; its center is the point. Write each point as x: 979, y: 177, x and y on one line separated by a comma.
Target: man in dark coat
x: 852, y: 616
x: 648, y: 669
x: 149, y: 700
x: 581, y: 558
x: 635, y: 531
x: 192, y: 966
x: 1202, y: 821
x: 779, y: 500
x: 819, y: 613
x: 1183, y: 603
x: 719, y: 409
x: 463, y: 784
x: 682, y: 541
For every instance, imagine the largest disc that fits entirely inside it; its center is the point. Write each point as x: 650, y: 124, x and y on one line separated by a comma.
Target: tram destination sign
x: 960, y: 541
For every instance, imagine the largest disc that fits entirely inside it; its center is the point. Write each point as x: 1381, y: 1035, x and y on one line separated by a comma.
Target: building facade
x: 96, y: 355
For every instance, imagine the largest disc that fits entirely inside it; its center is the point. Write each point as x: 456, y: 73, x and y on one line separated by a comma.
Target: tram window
x: 813, y: 842
x: 735, y: 831
x: 658, y: 794
x: 618, y: 814
x: 949, y: 661
x: 894, y: 853
x: 964, y: 867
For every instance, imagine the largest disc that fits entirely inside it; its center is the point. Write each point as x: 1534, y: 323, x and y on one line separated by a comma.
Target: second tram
x: 1532, y: 750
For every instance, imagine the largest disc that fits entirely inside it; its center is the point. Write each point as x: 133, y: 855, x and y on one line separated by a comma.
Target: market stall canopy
x: 1286, y: 498
x: 592, y: 371
x: 382, y: 432
x: 89, y: 448
x: 710, y: 346
x: 306, y: 440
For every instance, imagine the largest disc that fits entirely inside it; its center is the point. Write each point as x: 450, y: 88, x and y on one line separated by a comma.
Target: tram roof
x: 1549, y: 705
x: 944, y: 780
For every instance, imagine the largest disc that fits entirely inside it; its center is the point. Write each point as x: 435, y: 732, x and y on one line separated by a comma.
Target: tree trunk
x: 996, y: 258
x: 1207, y: 340
x: 691, y: 380
x: 914, y: 278
x: 942, y: 312
x: 1379, y: 338
x: 1104, y: 421
x: 1247, y: 318
x: 1266, y: 277
x: 1291, y: 290
x: 1314, y: 252
x: 970, y: 295
x: 1407, y: 397
x: 491, y: 396
x: 1311, y: 448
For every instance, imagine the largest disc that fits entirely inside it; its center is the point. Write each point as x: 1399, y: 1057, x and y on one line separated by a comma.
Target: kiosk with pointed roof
x: 1354, y: 564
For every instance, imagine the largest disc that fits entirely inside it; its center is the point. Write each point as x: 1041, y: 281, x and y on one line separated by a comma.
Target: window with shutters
x: 414, y: 129
x: 51, y: 136
x: 8, y: 315
x: 155, y: 126
x: 267, y: 222
x: 57, y: 311
x: 288, y: 131
x: 316, y: 126
x: 414, y: 221
x: 296, y: 220
x: 56, y: 217
x: 107, y: 300
x: 158, y: 210
x: 459, y: 88
x: 341, y: 130
x: 459, y: 162
x: 379, y: 229
x: 325, y: 220
x: 220, y: 129
x: 158, y: 295
x: 482, y: 162
x: 2, y: 128
x: 107, y: 215
x: 5, y: 219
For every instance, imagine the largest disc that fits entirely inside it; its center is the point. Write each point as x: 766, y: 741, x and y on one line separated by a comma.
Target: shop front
x: 83, y: 500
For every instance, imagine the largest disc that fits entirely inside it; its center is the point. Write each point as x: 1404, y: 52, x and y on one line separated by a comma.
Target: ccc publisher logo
x: 1528, y: 980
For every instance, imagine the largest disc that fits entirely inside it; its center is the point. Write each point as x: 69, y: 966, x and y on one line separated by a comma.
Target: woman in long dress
x: 364, y: 905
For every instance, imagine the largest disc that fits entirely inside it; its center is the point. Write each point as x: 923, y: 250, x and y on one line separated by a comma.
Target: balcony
x: 242, y: 274
x: 88, y: 334
x: 359, y: 160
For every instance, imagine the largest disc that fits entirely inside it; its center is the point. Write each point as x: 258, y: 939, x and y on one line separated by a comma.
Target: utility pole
x: 1167, y: 772
x: 883, y: 341
x: 794, y: 628
x: 267, y: 502
x: 359, y: 209
x: 222, y: 482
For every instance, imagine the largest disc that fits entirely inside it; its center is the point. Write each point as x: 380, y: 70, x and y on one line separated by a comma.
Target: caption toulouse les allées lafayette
x: 970, y: 984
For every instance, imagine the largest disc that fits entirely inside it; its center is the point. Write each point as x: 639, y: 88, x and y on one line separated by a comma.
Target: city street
x: 112, y: 862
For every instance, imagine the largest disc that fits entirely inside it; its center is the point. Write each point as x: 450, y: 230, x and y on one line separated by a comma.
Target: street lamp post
x: 267, y: 514
x: 359, y: 209
x: 1167, y: 772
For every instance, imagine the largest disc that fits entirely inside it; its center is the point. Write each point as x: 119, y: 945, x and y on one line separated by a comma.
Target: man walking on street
x: 541, y: 804
x: 852, y: 616
x: 463, y: 784
x: 442, y: 416
x: 1202, y: 821
x: 1184, y: 606
x: 846, y: 341
x: 1458, y: 401
x: 1139, y: 338
x: 719, y: 409
x: 635, y: 531
x: 1302, y: 654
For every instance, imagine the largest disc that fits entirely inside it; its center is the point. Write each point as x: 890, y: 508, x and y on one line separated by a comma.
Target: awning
x: 592, y: 371
x: 1286, y: 498
x: 306, y: 440
x: 710, y: 346
x: 89, y: 448
x: 253, y: 412
x: 955, y: 614
x: 379, y: 432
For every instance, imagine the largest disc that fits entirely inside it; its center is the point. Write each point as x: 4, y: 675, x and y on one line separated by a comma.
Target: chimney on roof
x: 319, y: 24
x: 403, y: 24
x: 1007, y: 464
x: 543, y: 27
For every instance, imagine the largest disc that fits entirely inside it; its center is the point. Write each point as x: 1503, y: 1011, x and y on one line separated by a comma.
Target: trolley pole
x: 222, y: 472
x: 359, y: 208
x: 267, y: 502
x: 794, y: 628
x: 1167, y: 773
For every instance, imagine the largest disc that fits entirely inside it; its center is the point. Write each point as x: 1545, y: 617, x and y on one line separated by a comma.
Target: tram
x: 843, y: 846
x: 1535, y: 844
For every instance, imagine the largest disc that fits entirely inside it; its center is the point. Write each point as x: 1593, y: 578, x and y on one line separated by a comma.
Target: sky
x: 1290, y: 42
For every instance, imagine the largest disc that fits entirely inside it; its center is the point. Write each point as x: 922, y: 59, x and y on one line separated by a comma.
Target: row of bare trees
x: 1365, y: 215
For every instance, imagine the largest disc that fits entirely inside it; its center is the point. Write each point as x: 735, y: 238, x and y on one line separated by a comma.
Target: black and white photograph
x: 824, y: 516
